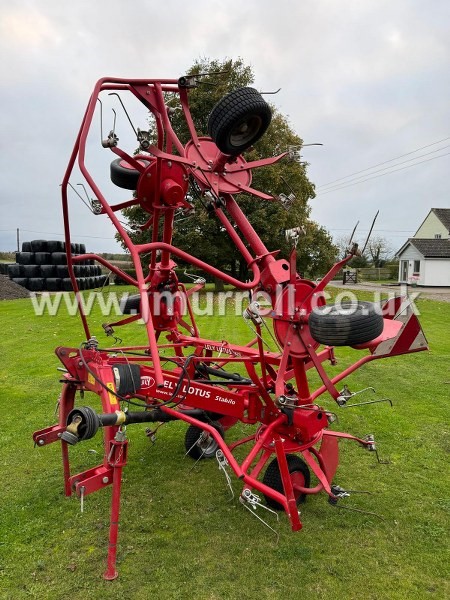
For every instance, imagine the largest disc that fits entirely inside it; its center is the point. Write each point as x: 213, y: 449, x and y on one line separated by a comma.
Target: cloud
x: 368, y: 79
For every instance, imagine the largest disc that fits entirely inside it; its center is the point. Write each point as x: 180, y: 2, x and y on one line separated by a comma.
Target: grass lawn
x: 180, y: 535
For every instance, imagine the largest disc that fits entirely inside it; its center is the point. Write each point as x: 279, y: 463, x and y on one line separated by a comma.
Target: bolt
x: 148, y: 175
x: 41, y: 442
x: 105, y: 480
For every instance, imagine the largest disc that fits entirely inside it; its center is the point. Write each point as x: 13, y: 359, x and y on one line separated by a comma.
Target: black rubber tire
x: 42, y: 258
x: 59, y: 258
x: 4, y: 268
x: 130, y: 305
x: 14, y: 271
x: 26, y: 246
x: 53, y: 284
x: 55, y: 246
x: 125, y: 177
x: 272, y: 478
x: 346, y: 324
x: 239, y: 120
x: 23, y: 281
x: 66, y: 284
x: 25, y: 258
x: 204, y: 448
x: 36, y: 284
x: 30, y: 271
x: 48, y: 271
x: 38, y: 246
x: 62, y: 271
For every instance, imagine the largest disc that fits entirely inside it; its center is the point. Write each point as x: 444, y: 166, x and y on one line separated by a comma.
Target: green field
x: 181, y: 536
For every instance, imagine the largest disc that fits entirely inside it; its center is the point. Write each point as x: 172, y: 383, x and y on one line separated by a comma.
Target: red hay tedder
x: 201, y: 386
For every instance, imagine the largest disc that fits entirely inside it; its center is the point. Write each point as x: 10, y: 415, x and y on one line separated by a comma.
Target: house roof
x: 443, y: 214
x: 429, y: 248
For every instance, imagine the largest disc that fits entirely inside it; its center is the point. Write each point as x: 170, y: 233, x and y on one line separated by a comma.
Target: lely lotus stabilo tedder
x: 211, y: 385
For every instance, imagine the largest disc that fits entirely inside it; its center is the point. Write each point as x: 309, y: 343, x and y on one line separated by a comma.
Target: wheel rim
x: 245, y: 130
x: 207, y: 444
x: 298, y: 479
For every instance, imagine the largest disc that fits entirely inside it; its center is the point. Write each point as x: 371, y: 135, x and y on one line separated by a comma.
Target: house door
x: 404, y: 271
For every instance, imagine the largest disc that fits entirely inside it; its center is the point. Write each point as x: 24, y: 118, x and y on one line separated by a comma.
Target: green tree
x: 204, y: 236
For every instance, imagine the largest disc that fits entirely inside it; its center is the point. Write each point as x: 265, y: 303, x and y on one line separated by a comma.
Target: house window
x: 437, y: 236
x: 417, y: 267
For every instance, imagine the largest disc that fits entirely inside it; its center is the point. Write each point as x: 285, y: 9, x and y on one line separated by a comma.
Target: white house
x: 425, y: 258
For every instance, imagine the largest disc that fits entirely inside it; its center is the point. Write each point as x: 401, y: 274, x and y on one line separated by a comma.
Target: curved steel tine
x: 125, y: 111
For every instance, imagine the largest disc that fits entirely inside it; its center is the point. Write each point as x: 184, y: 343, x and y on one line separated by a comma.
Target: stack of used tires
x: 42, y: 266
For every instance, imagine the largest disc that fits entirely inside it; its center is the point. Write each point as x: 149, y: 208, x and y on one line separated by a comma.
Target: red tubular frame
x: 300, y: 426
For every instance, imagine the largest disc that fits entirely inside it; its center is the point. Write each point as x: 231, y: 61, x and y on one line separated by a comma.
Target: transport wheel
x: 300, y: 475
x: 238, y: 120
x: 346, y: 324
x: 125, y: 175
x: 199, y: 443
x: 130, y: 305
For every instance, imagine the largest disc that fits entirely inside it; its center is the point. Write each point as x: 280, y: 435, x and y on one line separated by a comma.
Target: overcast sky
x: 369, y: 79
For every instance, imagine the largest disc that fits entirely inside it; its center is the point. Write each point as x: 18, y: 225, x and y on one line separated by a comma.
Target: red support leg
x: 117, y: 461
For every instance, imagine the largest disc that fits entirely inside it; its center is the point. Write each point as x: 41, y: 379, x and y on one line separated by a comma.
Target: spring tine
x: 125, y: 111
x: 364, y: 512
x: 194, y: 444
x: 263, y: 522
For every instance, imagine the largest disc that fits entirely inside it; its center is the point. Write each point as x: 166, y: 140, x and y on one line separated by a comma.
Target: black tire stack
x: 42, y: 266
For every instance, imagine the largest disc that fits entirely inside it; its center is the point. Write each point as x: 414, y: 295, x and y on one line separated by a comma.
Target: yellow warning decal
x: 91, y: 379
x: 112, y: 397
